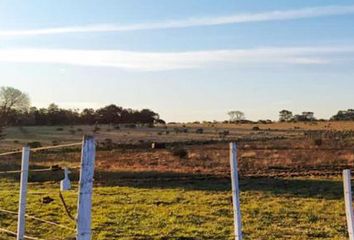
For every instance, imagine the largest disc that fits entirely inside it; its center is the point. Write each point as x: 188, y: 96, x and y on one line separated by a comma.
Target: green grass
x: 193, y: 209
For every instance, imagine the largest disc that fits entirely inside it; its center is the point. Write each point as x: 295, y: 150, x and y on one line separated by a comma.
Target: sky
x: 188, y: 60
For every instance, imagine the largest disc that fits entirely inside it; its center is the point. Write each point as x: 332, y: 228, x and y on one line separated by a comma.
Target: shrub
x: 79, y: 130
x: 256, y: 128
x: 179, y: 152
x: 60, y: 129
x: 108, y: 144
x: 200, y: 131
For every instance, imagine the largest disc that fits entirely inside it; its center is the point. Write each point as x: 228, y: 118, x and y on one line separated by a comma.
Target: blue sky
x: 187, y: 59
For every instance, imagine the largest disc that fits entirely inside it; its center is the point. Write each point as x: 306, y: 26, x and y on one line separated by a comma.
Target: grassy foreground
x: 199, y: 209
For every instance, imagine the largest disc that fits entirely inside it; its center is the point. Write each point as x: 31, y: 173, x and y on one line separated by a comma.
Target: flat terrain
x: 290, y: 181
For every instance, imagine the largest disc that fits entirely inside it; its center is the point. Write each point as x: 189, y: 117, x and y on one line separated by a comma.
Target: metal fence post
x: 235, y: 191
x: 85, y: 188
x: 21, y: 223
x: 348, y: 202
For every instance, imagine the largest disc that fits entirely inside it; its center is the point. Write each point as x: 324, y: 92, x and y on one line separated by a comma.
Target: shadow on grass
x: 305, y: 188
x: 296, y: 187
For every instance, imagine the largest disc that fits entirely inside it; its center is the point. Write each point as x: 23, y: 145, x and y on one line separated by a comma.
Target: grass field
x: 271, y: 209
x: 290, y: 184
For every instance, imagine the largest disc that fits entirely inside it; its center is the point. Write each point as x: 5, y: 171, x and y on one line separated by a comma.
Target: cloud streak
x: 164, y: 61
x: 191, y: 22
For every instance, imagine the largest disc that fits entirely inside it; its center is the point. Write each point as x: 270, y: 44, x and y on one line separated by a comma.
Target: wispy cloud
x: 191, y: 22
x: 157, y: 61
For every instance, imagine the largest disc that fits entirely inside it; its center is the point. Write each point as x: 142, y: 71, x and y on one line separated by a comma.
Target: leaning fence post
x: 235, y: 191
x: 21, y: 222
x: 85, y: 188
x: 348, y: 202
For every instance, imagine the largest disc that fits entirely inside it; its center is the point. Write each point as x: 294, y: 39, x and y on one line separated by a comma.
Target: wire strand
x: 39, y: 219
x: 15, y: 234
x: 42, y: 148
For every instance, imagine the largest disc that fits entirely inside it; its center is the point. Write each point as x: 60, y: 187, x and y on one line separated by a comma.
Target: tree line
x: 15, y: 110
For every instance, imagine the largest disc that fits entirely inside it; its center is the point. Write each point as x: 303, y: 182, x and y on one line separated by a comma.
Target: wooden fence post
x: 88, y: 156
x: 235, y: 191
x: 21, y: 222
x: 348, y: 202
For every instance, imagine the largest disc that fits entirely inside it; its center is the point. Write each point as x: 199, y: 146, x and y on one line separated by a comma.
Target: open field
x: 290, y: 181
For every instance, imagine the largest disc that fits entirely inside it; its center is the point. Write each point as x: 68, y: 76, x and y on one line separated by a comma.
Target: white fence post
x: 348, y: 202
x: 235, y: 191
x: 85, y: 189
x: 21, y: 223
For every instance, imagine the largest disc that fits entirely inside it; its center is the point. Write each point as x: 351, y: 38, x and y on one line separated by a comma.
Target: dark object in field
x: 224, y: 133
x: 55, y: 168
x: 47, y: 200
x: 155, y: 145
x: 60, y: 129
x: 34, y: 144
x: 318, y: 142
x: 256, y: 128
x: 199, y: 131
x: 179, y: 152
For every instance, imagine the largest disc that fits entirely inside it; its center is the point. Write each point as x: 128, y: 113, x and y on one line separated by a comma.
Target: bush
x: 108, y: 144
x: 60, y: 129
x: 199, y: 131
x: 256, y: 128
x: 179, y: 152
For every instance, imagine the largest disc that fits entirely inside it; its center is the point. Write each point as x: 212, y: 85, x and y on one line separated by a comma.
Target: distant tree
x: 12, y: 99
x: 88, y: 116
x: 236, y: 116
x: 344, y: 115
x: 285, y: 116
